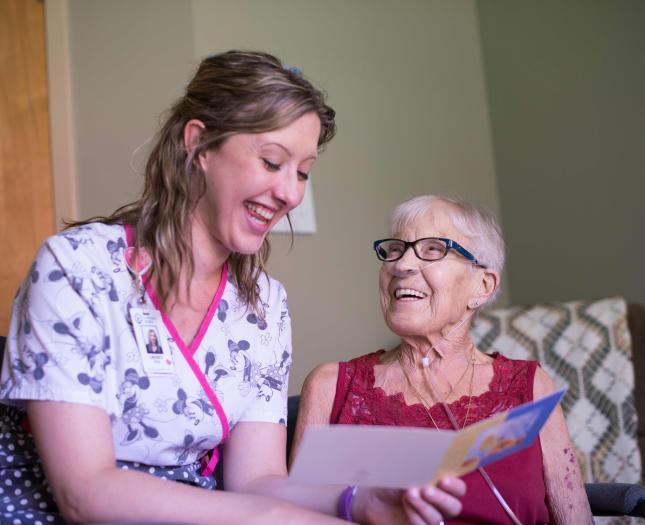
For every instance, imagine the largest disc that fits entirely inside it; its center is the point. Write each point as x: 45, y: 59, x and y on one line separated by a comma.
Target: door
x: 26, y: 203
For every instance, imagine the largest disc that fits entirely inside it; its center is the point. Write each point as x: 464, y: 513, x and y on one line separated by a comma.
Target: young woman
x: 98, y: 424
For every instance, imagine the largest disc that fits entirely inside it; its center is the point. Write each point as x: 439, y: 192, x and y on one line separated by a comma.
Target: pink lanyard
x: 189, y: 352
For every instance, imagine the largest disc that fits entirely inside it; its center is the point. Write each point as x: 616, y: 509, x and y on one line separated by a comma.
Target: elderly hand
x: 415, y: 506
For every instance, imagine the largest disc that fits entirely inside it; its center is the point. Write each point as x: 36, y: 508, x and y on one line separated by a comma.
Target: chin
x: 406, y: 333
x: 249, y: 247
x: 243, y: 250
x: 402, y: 328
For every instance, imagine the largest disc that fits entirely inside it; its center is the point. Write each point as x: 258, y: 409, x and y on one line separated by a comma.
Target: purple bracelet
x: 345, y: 502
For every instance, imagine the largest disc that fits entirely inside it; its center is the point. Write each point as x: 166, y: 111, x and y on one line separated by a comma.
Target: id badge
x: 148, y: 329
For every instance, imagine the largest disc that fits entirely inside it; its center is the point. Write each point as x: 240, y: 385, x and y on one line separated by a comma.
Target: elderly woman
x: 443, y: 264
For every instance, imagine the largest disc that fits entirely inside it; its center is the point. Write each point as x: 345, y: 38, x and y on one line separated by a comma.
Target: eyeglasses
x: 426, y: 249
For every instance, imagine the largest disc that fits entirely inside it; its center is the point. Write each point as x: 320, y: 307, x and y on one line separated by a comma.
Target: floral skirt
x: 25, y: 495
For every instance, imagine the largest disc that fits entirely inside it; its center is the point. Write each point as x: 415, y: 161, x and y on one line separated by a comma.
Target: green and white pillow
x: 586, y: 347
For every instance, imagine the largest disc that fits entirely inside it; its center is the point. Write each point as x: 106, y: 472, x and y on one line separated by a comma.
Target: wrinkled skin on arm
x: 566, y: 497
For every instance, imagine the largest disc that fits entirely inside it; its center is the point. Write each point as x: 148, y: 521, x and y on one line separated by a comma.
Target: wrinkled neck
x: 453, y: 341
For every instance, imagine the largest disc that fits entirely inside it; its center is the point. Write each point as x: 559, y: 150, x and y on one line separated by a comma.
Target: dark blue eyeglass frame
x: 449, y: 244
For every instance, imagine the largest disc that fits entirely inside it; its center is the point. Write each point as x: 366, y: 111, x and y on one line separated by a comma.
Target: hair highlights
x: 232, y: 92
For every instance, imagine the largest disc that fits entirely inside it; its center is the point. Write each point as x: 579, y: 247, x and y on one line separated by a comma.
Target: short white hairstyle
x: 479, y: 225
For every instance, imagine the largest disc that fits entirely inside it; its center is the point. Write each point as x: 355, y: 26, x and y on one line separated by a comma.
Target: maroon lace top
x: 519, y: 477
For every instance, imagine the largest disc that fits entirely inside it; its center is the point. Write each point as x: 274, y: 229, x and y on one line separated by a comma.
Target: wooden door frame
x: 61, y: 122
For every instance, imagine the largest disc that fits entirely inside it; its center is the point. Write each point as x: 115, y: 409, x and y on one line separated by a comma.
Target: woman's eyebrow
x: 314, y: 156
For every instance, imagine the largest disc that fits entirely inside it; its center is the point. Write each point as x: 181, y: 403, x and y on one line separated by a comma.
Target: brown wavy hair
x: 232, y: 92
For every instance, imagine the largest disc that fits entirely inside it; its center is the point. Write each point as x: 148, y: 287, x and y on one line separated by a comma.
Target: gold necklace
x: 424, y: 402
x: 421, y: 399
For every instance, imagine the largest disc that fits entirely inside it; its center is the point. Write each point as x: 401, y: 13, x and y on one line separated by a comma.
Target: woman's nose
x: 408, y: 263
x: 290, y: 189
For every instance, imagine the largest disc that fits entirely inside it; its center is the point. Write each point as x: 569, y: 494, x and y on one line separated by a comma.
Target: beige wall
x: 406, y: 80
x: 567, y: 82
x: 129, y: 61
x: 405, y: 77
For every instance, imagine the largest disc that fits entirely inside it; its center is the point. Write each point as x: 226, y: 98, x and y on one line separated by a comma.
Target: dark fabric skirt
x: 25, y: 496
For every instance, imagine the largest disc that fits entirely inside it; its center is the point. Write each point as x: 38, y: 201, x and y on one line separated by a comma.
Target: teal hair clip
x: 295, y: 70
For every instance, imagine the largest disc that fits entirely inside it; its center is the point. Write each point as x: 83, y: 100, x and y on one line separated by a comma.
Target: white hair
x: 479, y: 225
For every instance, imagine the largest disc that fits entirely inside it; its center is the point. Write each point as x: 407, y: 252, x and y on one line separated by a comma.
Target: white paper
x: 369, y: 455
x: 399, y: 457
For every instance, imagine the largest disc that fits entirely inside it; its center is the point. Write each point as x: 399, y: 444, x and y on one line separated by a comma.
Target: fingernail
x: 429, y: 491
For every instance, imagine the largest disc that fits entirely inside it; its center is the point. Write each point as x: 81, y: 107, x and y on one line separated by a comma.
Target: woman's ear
x: 192, y: 133
x: 487, y: 283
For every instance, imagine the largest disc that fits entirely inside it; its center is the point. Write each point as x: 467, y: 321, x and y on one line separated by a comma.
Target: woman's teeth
x: 259, y: 213
x: 409, y: 294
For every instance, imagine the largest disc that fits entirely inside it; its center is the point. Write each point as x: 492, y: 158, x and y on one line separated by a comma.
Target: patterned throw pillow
x: 586, y: 347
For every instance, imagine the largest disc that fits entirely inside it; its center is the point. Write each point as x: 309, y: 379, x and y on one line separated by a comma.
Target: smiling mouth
x: 259, y: 213
x: 409, y: 294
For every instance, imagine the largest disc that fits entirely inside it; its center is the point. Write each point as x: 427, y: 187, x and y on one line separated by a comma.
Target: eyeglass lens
x: 426, y: 249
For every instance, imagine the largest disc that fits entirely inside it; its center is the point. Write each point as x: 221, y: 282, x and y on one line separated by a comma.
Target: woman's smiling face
x: 419, y: 298
x: 253, y: 180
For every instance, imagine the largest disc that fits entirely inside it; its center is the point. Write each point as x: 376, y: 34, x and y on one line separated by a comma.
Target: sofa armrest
x: 616, y: 499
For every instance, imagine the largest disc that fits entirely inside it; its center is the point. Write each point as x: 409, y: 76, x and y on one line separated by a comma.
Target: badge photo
x: 154, y: 350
